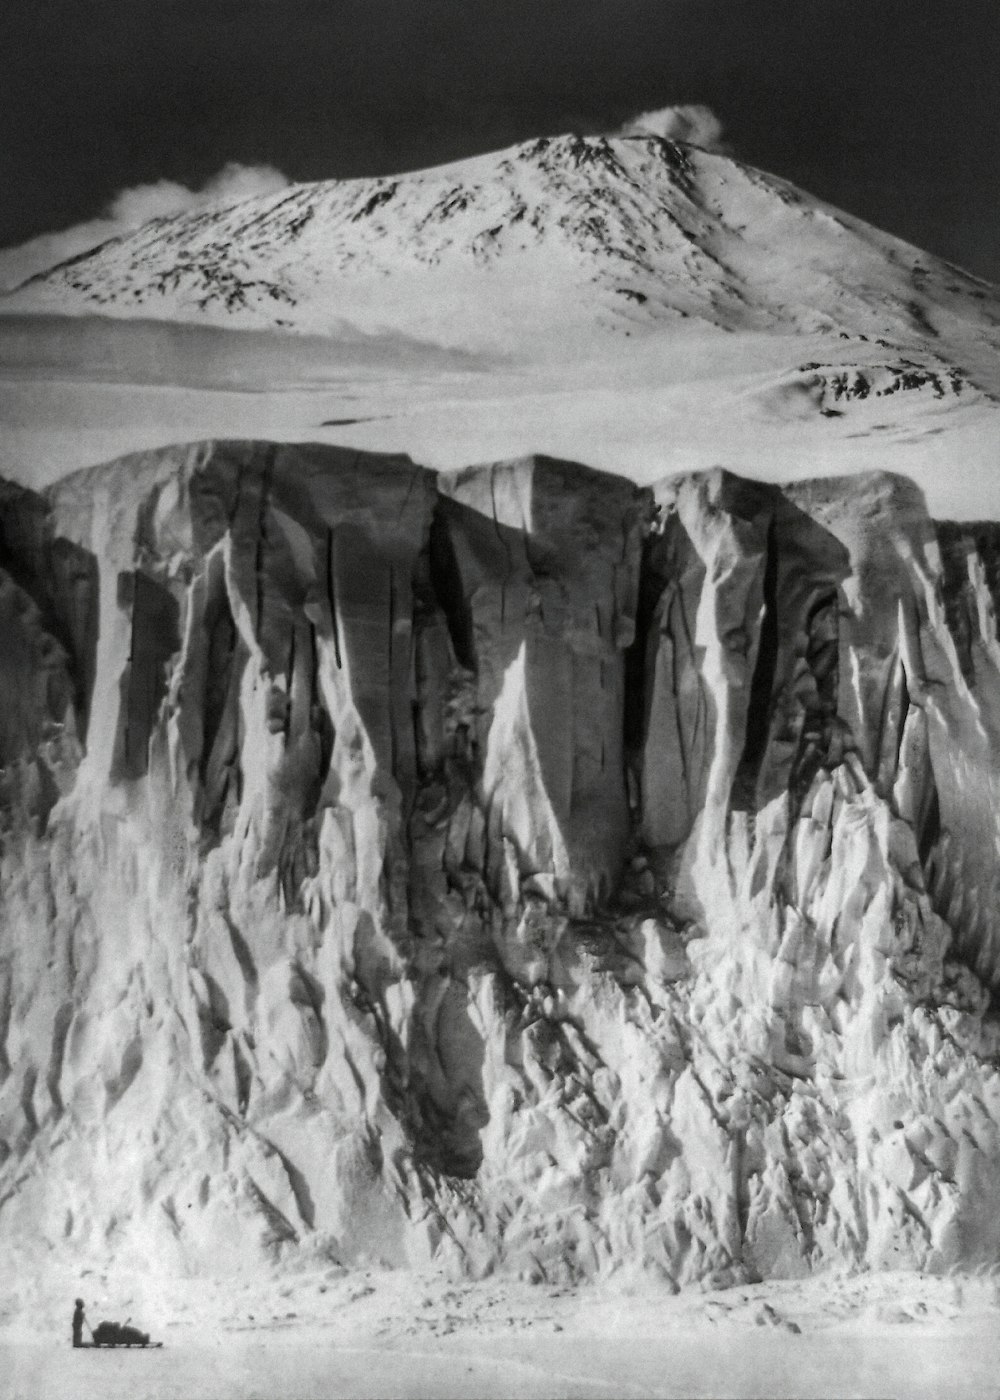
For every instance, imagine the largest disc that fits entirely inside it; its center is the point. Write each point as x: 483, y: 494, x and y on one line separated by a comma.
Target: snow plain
x: 372, y: 1334
x: 77, y: 391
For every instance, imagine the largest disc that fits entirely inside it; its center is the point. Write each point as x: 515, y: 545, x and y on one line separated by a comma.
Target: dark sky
x: 886, y: 107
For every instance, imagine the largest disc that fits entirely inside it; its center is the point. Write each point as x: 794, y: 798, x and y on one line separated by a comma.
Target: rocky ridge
x: 514, y: 869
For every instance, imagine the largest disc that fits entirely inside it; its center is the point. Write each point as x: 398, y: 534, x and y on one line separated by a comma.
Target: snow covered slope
x: 563, y: 237
x: 517, y: 868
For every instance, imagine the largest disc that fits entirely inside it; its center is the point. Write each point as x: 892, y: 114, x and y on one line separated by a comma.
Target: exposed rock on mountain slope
x: 514, y: 249
x: 521, y: 868
x: 835, y: 390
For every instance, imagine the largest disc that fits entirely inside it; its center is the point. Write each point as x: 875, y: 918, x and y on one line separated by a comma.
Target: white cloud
x: 691, y: 122
x: 128, y: 210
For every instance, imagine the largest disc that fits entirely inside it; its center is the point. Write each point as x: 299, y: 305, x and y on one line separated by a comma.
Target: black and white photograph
x: 499, y: 700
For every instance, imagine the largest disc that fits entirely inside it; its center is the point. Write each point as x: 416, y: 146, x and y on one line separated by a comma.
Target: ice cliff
x: 514, y: 869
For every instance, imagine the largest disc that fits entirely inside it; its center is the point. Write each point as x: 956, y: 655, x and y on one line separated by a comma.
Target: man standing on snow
x: 78, y: 1323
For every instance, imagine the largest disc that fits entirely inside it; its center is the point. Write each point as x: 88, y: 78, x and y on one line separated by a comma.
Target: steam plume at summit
x: 693, y: 123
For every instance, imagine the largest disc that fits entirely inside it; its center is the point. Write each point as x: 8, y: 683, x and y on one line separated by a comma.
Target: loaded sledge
x: 119, y: 1334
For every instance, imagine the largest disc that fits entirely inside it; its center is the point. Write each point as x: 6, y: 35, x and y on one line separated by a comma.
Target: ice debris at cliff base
x: 517, y: 869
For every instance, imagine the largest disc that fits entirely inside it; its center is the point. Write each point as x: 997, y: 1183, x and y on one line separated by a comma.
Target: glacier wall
x: 519, y: 869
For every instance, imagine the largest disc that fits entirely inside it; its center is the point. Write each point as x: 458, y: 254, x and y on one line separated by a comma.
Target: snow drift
x: 520, y: 868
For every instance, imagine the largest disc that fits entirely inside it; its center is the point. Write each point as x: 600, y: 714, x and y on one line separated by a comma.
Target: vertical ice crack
x: 331, y: 591
x: 259, y: 562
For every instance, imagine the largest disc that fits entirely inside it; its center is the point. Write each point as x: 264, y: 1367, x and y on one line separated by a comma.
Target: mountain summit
x: 594, y: 235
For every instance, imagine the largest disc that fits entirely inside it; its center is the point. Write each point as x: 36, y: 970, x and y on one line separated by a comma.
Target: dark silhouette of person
x: 78, y: 1323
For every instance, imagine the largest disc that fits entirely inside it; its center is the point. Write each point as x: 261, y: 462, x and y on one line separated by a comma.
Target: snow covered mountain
x: 558, y: 237
x: 637, y: 304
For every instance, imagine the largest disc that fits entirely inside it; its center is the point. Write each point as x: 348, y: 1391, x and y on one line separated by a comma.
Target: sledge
x: 119, y: 1334
x: 110, y: 1346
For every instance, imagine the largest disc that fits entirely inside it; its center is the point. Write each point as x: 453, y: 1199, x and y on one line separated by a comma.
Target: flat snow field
x: 78, y: 391
x: 332, y: 1334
